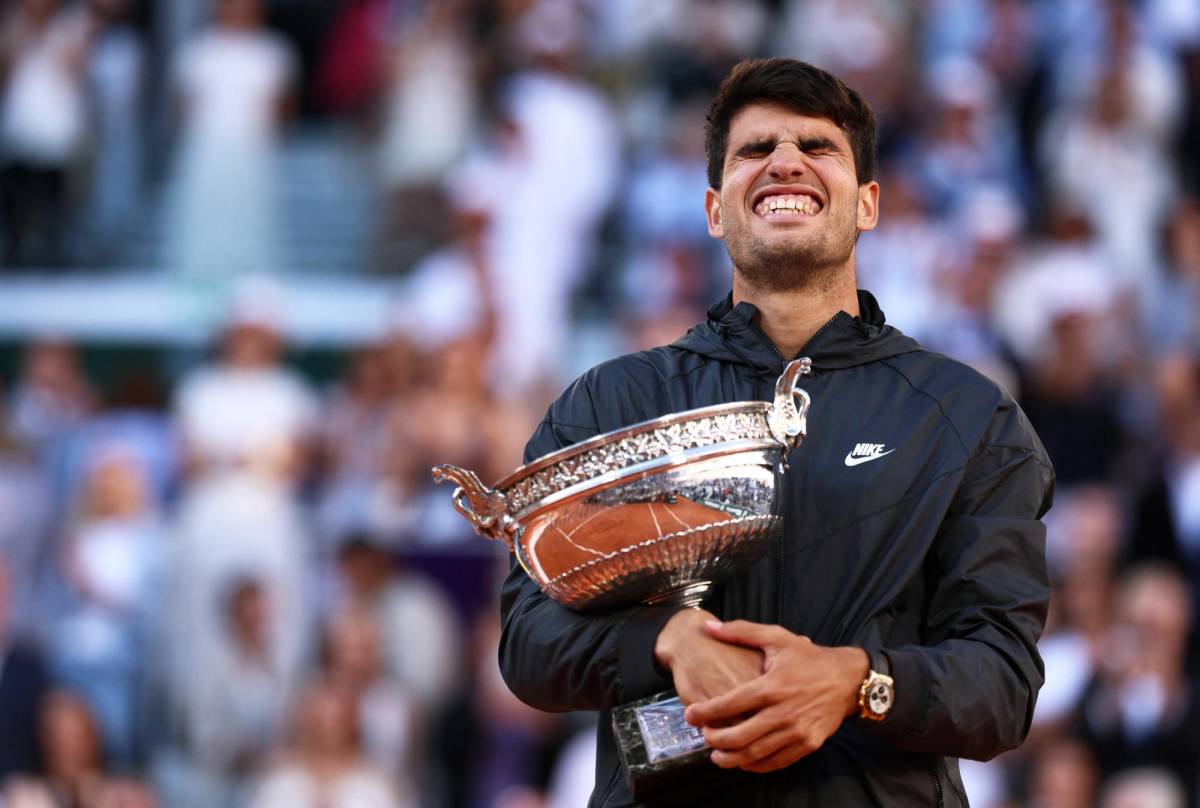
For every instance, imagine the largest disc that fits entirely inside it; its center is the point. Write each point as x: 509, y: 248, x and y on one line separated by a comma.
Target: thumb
x: 743, y: 632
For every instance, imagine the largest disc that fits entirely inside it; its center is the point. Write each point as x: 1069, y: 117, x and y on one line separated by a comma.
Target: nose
x: 787, y: 162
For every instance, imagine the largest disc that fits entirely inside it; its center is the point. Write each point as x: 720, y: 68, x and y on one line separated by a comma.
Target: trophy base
x: 664, y: 756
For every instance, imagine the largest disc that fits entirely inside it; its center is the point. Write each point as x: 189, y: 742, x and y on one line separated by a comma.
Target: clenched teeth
x: 794, y: 204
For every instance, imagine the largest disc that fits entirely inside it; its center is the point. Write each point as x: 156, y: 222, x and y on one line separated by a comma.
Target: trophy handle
x: 485, y: 508
x: 788, y: 417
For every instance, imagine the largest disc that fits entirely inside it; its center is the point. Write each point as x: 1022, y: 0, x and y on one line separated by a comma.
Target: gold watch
x: 877, y: 693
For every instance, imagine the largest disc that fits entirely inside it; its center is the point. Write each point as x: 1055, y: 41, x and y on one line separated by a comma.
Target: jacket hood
x: 731, y: 334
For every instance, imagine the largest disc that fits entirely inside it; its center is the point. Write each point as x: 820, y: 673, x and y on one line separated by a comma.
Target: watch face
x: 879, y: 698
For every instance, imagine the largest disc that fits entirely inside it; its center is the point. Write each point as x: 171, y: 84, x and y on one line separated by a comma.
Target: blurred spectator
x: 245, y: 423
x: 429, y: 113
x: 1171, y: 311
x: 109, y: 583
x: 75, y: 776
x: 1064, y: 775
x: 1083, y: 544
x: 1106, y: 132
x: 448, y: 319
x: 351, y: 60
x: 493, y: 748
x: 23, y: 684
x: 1143, y: 709
x: 970, y: 145
x: 25, y: 517
x: 325, y: 767
x: 43, y: 124
x: 354, y: 442
x: 142, y: 428
x: 1143, y: 788
x: 989, y: 228
x: 241, y: 706
x: 430, y: 428
x: 51, y: 397
x: 1167, y: 514
x: 542, y: 201
x: 903, y: 260
x: 865, y: 42
x: 574, y: 772
x: 672, y: 260
x: 1056, y: 310
x: 417, y: 629
x: 246, y: 412
x: 353, y: 661
x: 1098, y: 37
x: 234, y: 88
x: 116, y: 81
x: 450, y: 294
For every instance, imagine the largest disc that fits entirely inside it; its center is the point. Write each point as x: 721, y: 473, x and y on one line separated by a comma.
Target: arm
x: 555, y: 658
x: 969, y: 689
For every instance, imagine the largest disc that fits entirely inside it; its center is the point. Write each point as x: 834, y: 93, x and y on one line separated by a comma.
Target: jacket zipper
x: 779, y: 537
x: 774, y: 348
x: 937, y: 782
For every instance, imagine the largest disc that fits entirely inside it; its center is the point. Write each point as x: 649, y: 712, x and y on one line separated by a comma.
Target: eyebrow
x: 766, y: 144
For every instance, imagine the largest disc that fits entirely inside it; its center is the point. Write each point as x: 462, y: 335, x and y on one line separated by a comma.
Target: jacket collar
x: 731, y: 333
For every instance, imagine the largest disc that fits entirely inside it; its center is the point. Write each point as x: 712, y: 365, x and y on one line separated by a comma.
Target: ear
x: 712, y: 210
x: 868, y: 206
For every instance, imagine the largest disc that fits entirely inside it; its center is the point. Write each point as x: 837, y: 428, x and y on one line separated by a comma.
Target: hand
x: 804, y: 694
x: 701, y: 665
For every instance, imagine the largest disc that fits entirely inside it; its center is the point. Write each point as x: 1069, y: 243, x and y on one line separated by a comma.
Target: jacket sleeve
x: 969, y: 690
x: 554, y: 658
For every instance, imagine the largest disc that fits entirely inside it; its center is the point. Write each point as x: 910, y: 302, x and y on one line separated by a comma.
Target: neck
x: 790, y: 317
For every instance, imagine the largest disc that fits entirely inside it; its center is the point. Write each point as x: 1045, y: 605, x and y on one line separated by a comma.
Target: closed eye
x: 818, y: 145
x: 758, y: 148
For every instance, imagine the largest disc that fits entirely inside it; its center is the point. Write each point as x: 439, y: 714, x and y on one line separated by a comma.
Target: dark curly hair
x: 798, y: 86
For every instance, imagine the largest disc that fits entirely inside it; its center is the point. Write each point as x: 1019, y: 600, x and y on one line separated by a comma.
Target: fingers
x: 738, y: 735
x: 776, y: 749
x: 746, y: 698
x: 781, y: 759
x: 743, y: 632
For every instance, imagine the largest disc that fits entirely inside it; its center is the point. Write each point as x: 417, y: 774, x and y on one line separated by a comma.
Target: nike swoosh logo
x: 858, y: 461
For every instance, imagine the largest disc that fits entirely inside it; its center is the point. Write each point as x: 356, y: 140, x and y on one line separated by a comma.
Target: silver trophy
x: 653, y: 513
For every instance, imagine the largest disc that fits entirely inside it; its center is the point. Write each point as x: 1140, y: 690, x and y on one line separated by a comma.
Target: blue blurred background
x: 264, y: 262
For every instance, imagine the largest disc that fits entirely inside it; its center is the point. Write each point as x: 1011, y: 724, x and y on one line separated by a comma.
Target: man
x: 912, y: 554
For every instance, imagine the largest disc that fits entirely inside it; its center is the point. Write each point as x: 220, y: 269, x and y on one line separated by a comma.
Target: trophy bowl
x: 653, y: 513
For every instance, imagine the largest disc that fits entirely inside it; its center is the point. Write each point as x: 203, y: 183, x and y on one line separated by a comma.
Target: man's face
x: 790, y: 206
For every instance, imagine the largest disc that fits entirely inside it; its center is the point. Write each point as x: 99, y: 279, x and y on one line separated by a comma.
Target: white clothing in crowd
x: 544, y: 193
x: 239, y: 519
x: 421, y: 639
x: 292, y: 786
x: 230, y: 416
x: 43, y: 109
x: 232, y: 86
x: 429, y: 110
x: 231, y: 526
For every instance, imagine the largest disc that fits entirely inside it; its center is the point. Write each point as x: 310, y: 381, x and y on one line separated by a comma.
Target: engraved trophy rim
x: 649, y: 425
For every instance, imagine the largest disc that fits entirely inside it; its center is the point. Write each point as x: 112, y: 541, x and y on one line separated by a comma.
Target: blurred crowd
x: 214, y: 586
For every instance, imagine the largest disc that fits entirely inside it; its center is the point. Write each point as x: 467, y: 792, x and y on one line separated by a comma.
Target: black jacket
x: 932, y: 553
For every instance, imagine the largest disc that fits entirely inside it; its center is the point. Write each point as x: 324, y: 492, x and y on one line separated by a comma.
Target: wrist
x: 680, y: 629
x: 857, y: 666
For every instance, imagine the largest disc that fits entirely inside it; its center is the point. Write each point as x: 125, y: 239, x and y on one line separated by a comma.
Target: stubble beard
x: 782, y: 266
